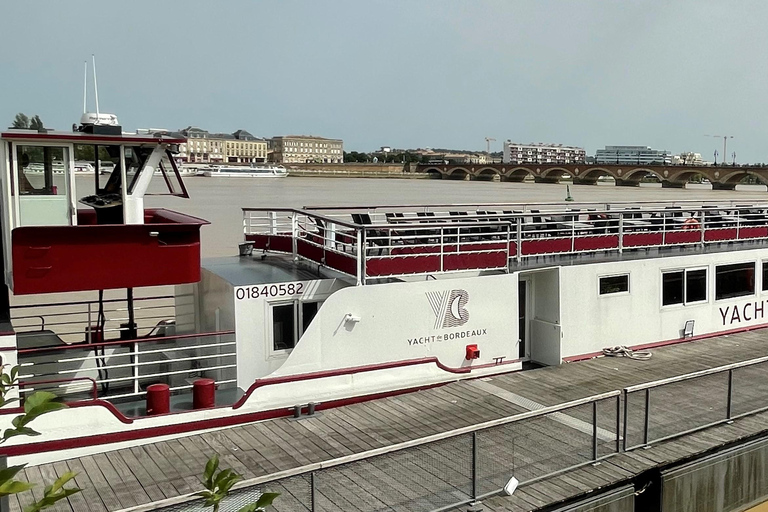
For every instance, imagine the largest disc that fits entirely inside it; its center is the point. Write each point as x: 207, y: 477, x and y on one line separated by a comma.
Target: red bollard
x: 158, y: 399
x: 203, y: 394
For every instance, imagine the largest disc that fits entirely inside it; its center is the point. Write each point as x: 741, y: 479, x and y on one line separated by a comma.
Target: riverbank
x: 354, y: 170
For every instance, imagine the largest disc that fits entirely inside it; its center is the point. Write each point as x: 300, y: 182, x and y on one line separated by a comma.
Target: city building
x: 633, y: 155
x: 299, y: 149
x: 515, y: 153
x: 205, y: 147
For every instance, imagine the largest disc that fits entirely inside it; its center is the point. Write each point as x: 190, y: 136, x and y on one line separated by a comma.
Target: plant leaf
x: 266, y: 499
x: 14, y: 487
x: 210, y: 469
x: 38, y: 398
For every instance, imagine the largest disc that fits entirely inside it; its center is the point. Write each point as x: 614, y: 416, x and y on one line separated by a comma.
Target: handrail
x: 694, y: 375
x: 122, y: 342
x: 268, y: 381
x: 86, y: 302
x: 94, y: 389
x: 355, y: 457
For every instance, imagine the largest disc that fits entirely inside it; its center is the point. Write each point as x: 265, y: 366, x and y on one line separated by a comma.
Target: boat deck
x: 134, y: 478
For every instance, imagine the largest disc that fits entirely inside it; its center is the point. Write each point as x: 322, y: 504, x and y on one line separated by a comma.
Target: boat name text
x: 423, y: 340
x: 745, y: 313
x: 267, y: 291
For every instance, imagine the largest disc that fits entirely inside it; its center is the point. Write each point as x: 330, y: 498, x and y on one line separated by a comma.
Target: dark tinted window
x: 765, y: 275
x: 734, y: 280
x: 308, y: 312
x: 696, y: 285
x: 283, y: 337
x: 671, y: 288
x: 614, y: 284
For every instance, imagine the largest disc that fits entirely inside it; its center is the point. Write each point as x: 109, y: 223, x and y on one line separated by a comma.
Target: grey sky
x: 403, y: 73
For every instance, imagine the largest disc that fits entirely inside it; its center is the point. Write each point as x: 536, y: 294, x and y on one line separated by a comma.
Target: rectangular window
x: 289, y: 321
x: 614, y: 284
x: 734, y: 280
x: 684, y: 286
x: 765, y: 275
x: 671, y: 288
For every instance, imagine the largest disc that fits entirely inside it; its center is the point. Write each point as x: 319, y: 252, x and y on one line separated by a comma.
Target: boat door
x: 542, y: 314
x: 41, y: 180
x: 523, y: 306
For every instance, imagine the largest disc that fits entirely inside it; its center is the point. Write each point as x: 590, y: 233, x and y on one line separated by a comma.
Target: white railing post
x: 442, y: 244
x: 519, y: 235
x: 272, y: 222
x: 360, y: 257
x: 621, y: 233
x: 136, y: 368
x: 294, y: 235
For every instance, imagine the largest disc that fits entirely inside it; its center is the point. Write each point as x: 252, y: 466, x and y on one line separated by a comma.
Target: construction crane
x: 725, y: 143
x: 488, y: 141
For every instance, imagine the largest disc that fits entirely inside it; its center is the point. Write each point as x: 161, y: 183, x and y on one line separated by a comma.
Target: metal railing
x: 668, y: 408
x: 423, y: 240
x: 445, y: 470
x: 123, y: 368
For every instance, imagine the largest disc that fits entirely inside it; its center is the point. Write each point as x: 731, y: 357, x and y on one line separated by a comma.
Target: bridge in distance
x: 724, y: 177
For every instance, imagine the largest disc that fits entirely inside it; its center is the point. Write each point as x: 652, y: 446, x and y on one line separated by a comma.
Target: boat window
x: 104, y: 163
x: 289, y: 321
x: 614, y: 284
x: 283, y: 327
x: 695, y: 285
x: 734, y: 280
x: 765, y: 275
x: 42, y: 170
x: 684, y: 286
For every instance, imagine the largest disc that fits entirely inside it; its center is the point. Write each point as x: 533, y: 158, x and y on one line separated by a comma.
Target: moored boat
x: 253, y: 171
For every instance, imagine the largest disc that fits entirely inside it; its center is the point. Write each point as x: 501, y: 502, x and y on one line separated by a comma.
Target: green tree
x: 35, y: 405
x: 20, y: 121
x: 219, y: 483
x: 36, y: 123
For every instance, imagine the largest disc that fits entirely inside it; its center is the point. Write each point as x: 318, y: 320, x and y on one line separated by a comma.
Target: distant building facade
x: 515, y: 153
x: 632, y: 155
x: 212, y: 148
x: 688, y: 158
x: 295, y: 149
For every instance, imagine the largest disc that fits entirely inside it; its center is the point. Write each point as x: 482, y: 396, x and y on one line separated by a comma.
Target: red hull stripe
x: 644, y: 346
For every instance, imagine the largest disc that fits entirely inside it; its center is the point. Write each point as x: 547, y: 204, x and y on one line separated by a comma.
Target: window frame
x: 685, y: 302
x: 298, y: 323
x: 613, y: 294
x: 754, y: 291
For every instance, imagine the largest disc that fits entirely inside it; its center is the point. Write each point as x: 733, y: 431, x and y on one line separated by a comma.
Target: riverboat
x: 253, y: 171
x: 324, y: 306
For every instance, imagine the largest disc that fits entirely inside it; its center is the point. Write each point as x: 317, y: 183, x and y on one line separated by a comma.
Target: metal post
x: 618, y: 423
x: 442, y: 245
x: 594, y: 430
x: 519, y: 247
x: 474, y: 466
x: 312, y: 491
x: 729, y: 406
x: 621, y: 233
x: 626, y: 420
x: 135, y: 358
x: 360, y: 257
x: 647, y: 414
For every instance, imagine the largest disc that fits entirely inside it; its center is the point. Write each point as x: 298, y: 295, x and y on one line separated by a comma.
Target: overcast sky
x: 404, y: 73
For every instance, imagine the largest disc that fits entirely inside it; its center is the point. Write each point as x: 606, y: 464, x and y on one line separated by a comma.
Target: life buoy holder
x: 690, y: 223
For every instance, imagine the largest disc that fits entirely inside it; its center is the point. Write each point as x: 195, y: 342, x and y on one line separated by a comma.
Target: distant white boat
x: 256, y: 171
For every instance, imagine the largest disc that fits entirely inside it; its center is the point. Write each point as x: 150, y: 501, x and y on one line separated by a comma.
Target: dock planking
x: 124, y: 478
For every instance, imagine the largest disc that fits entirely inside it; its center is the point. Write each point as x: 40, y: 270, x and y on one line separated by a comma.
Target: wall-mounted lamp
x: 349, y: 318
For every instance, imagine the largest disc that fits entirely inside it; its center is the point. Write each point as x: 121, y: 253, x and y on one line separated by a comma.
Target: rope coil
x: 624, y: 351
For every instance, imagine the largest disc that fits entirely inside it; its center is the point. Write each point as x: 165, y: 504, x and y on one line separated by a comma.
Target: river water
x: 219, y: 200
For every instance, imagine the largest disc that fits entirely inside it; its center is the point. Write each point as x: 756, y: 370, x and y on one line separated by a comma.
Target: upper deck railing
x: 388, y: 241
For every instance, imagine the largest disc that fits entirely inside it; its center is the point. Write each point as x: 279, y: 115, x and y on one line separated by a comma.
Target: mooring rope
x: 623, y: 351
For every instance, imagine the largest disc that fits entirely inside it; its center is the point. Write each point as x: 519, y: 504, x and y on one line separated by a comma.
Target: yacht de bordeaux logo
x: 449, y: 307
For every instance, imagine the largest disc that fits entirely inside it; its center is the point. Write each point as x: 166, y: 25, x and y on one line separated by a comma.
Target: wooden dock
x: 137, y: 477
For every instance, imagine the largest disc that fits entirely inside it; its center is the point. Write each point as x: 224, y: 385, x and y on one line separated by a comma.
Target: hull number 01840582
x: 266, y: 291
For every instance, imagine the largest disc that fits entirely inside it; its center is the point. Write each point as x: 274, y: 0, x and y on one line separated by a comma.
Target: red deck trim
x: 344, y: 371
x: 645, y: 346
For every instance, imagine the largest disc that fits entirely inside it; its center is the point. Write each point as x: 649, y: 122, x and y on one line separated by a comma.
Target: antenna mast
x: 95, y: 85
x: 85, y: 86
